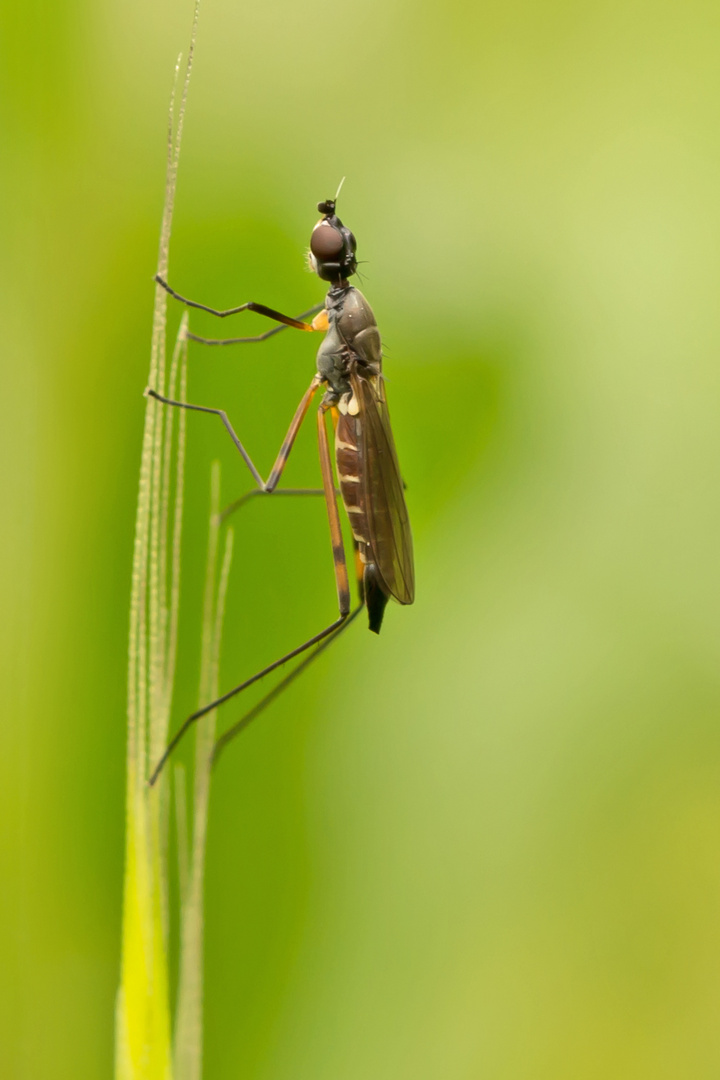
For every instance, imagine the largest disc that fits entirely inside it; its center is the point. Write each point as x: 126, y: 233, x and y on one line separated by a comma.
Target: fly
x: 349, y: 368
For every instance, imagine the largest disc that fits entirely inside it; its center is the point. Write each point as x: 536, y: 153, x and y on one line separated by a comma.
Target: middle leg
x: 280, y: 462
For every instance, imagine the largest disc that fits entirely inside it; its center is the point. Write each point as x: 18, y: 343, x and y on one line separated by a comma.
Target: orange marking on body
x: 320, y: 322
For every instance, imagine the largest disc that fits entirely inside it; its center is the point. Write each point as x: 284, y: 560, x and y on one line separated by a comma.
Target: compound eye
x: 325, y: 242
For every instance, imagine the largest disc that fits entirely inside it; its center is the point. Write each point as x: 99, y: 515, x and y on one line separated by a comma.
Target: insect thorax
x: 352, y: 342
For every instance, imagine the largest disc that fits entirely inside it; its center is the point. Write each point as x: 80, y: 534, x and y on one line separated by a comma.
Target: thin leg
x: 341, y: 580
x: 261, y: 309
x: 284, y: 451
x: 238, y: 689
x: 238, y: 503
x: 258, y: 337
x: 281, y: 460
x: 244, y: 721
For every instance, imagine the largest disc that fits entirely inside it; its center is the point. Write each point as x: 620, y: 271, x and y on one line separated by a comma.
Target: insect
x: 349, y: 367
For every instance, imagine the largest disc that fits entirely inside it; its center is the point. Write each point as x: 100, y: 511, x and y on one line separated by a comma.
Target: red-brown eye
x: 325, y: 242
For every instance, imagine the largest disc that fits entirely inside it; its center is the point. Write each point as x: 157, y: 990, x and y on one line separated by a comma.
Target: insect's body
x: 350, y: 362
x: 349, y: 366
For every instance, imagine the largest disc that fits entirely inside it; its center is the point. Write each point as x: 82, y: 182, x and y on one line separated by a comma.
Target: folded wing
x: 390, y: 538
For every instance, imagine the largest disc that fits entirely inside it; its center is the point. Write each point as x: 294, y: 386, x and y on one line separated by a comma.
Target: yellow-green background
x: 486, y: 845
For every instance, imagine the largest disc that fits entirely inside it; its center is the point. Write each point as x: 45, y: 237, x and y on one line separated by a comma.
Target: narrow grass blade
x: 143, y: 1042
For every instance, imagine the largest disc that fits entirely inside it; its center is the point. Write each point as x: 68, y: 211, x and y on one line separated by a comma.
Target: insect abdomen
x: 348, y: 436
x: 349, y: 458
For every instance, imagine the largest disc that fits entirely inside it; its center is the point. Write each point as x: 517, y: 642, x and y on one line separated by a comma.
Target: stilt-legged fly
x: 349, y: 366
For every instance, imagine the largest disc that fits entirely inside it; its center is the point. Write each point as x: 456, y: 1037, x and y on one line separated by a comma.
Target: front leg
x: 261, y: 337
x: 250, y: 305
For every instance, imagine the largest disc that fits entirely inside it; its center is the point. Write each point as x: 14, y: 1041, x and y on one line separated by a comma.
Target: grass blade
x: 143, y: 1043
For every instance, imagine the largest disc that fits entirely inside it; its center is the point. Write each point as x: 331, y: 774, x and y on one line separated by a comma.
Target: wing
x: 390, y: 538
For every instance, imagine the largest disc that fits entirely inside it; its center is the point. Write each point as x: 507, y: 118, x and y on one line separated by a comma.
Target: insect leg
x: 277, y: 469
x: 250, y: 305
x: 238, y: 503
x: 259, y: 337
x: 341, y: 575
x: 288, y: 441
x: 245, y: 720
x: 237, y: 689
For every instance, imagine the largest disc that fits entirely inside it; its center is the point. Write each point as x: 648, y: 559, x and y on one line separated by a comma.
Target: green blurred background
x: 485, y: 845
